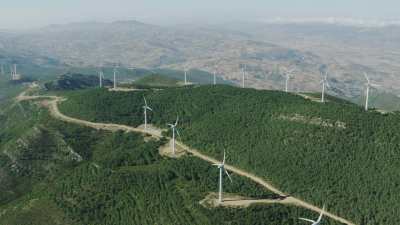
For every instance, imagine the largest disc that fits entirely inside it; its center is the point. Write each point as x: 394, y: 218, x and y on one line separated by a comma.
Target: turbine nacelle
x: 222, y: 166
x: 369, y: 84
x: 146, y: 107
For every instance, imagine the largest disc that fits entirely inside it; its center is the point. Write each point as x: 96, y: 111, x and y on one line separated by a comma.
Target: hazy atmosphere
x: 208, y: 112
x: 27, y: 14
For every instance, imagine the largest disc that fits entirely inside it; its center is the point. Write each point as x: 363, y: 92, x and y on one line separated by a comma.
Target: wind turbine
x: 288, y: 77
x: 325, y: 84
x: 243, y: 74
x: 185, y: 76
x: 221, y: 167
x: 146, y: 107
x: 174, y: 129
x: 215, y: 77
x: 101, y: 77
x: 318, y: 220
x: 369, y: 85
x: 115, y: 77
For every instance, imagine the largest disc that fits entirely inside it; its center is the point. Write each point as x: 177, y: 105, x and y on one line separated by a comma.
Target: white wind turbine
x: 244, y: 75
x: 318, y: 222
x: 115, y: 77
x: 185, y: 76
x: 101, y: 77
x: 221, y: 167
x: 215, y: 77
x: 325, y: 84
x: 289, y: 76
x: 145, y: 108
x: 369, y: 85
x: 174, y: 129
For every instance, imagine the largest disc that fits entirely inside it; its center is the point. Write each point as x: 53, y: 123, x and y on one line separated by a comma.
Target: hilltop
x: 333, y: 153
x: 74, y: 81
x: 156, y: 80
x: 54, y: 172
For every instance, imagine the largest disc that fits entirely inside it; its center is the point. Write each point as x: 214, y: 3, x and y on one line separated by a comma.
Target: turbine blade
x: 179, y: 135
x: 328, y: 84
x: 145, y: 102
x: 229, y: 176
x: 375, y: 85
x: 366, y: 77
x: 149, y: 108
x: 177, y: 119
x: 223, y: 161
x: 308, y: 220
x: 322, y: 213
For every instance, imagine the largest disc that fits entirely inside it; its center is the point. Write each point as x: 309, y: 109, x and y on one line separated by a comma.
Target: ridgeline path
x: 51, y: 102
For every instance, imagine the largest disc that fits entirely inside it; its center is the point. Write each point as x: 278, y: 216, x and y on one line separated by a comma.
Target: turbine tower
x: 288, y: 77
x: 318, y: 222
x: 101, y: 77
x: 221, y: 167
x: 243, y: 74
x: 369, y: 85
x: 14, y: 75
x: 185, y: 76
x: 115, y: 77
x: 146, y: 107
x: 325, y: 84
x: 174, y: 129
x: 215, y: 77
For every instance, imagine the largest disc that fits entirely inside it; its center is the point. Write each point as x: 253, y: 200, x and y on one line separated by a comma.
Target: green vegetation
x: 58, y: 173
x: 382, y: 100
x: 156, y: 80
x: 74, y: 82
x: 333, y: 153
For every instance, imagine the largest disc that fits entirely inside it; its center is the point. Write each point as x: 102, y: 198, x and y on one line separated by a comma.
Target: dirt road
x: 55, y: 112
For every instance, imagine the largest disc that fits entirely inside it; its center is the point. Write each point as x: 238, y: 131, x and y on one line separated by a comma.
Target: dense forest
x: 58, y: 173
x: 333, y: 153
x: 75, y: 81
x: 156, y: 80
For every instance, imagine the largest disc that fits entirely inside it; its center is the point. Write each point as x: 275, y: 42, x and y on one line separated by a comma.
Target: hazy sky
x: 34, y: 13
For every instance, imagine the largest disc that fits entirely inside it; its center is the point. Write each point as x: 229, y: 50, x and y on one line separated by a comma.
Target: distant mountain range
x: 357, y: 22
x: 265, y: 48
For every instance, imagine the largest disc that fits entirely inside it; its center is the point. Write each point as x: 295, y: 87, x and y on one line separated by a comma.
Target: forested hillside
x: 156, y: 80
x: 57, y: 173
x: 75, y: 81
x: 333, y: 153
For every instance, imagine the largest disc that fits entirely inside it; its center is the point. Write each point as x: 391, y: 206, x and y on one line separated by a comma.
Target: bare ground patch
x: 166, y: 150
x: 151, y: 129
x: 125, y: 89
x: 313, y: 121
x: 235, y: 201
x: 314, y: 99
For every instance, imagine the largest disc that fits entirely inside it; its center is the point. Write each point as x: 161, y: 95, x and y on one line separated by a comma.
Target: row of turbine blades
x: 289, y: 75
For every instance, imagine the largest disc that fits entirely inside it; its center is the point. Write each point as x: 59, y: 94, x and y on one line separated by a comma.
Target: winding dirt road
x: 52, y: 104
